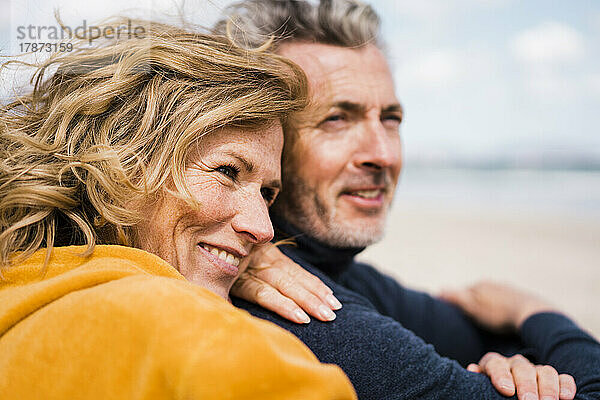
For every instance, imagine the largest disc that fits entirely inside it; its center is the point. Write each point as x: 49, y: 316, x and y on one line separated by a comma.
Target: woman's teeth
x: 222, y: 254
x: 367, y: 194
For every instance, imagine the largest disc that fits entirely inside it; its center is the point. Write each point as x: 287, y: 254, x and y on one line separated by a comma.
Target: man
x: 341, y: 165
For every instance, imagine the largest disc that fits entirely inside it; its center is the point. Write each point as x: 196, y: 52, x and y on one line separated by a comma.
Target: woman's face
x: 234, y: 174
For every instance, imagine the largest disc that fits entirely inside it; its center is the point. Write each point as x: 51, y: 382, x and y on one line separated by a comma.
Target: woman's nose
x: 252, y: 220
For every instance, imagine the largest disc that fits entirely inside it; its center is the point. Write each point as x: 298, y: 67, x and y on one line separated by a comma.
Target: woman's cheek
x: 214, y: 196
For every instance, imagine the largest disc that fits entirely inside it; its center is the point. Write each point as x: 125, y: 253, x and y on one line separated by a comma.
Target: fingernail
x: 566, y: 392
x: 301, y: 316
x: 333, y: 302
x: 530, y: 396
x: 548, y: 398
x: 472, y: 368
x: 326, y: 313
x: 506, y: 384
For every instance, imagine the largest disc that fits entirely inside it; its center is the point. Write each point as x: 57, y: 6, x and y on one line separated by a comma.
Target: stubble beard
x: 301, y: 205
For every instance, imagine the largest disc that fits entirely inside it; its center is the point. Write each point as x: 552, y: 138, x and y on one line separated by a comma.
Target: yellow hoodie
x: 123, y: 324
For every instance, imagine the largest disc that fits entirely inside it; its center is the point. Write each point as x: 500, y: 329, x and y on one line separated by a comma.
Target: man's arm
x: 382, y: 359
x: 386, y: 361
x: 558, y: 341
x: 437, y: 322
x: 553, y: 338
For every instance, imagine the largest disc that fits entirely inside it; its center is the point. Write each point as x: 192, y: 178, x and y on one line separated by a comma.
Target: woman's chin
x: 220, y: 291
x: 219, y: 288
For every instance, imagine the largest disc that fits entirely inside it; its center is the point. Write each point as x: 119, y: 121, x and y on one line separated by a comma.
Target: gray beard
x: 300, y: 206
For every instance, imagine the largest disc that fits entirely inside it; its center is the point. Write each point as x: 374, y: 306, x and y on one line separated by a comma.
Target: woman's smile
x: 221, y: 258
x: 233, y: 175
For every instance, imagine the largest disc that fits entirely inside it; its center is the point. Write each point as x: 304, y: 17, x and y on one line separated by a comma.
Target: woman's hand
x: 276, y: 283
x: 532, y: 382
x: 496, y: 306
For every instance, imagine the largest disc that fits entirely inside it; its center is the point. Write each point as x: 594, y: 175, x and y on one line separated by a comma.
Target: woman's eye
x: 268, y: 194
x: 230, y: 171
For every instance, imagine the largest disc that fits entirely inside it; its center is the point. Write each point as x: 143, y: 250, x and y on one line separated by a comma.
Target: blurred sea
x: 573, y: 193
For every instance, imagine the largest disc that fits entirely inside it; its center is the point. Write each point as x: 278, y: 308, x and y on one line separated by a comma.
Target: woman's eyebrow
x: 248, y: 165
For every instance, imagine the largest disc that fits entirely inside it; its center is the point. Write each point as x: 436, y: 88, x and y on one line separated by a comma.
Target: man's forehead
x: 338, y: 74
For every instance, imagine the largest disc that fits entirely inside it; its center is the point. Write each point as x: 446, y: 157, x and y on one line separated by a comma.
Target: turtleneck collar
x: 331, y: 260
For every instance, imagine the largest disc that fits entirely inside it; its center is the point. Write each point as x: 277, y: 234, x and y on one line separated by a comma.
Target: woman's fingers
x: 498, y: 369
x: 548, y: 384
x: 525, y: 377
x: 299, y: 285
x: 311, y: 283
x: 293, y: 286
x: 474, y: 368
x: 270, y: 266
x: 531, y: 382
x: 567, y: 387
x: 256, y: 291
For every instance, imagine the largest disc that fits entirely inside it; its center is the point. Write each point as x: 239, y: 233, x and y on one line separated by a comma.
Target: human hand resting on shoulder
x: 496, y: 306
x: 500, y: 307
x: 531, y: 382
x: 277, y: 283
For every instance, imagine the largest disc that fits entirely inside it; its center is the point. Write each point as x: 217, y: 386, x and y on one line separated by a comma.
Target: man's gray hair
x: 346, y: 23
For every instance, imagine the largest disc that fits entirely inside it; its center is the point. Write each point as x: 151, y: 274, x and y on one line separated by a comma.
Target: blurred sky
x: 478, y: 78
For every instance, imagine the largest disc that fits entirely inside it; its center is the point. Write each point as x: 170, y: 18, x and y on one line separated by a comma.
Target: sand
x: 430, y: 247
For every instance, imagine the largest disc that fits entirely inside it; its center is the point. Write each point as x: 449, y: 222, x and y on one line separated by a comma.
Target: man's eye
x: 391, y: 120
x: 334, y: 121
x: 335, y: 117
x: 231, y: 171
x: 395, y: 118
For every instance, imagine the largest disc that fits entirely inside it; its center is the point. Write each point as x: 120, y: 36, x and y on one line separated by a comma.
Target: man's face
x: 343, y: 157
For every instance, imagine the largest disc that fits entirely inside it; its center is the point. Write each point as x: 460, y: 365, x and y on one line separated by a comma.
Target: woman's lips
x: 221, y: 254
x: 222, y: 259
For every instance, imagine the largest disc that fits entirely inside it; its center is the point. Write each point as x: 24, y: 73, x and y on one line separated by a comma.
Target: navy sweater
x: 394, y: 343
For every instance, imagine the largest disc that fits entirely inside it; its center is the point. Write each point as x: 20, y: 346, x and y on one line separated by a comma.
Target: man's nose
x: 252, y: 220
x: 379, y: 147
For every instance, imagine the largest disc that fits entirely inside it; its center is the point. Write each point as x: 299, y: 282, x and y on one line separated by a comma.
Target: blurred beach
x: 537, y: 229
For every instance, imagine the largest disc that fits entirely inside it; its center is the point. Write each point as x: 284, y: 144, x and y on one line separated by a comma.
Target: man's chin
x: 356, y: 229
x: 354, y: 235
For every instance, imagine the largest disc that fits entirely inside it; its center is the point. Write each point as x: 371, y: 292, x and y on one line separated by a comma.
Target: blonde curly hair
x: 112, y: 126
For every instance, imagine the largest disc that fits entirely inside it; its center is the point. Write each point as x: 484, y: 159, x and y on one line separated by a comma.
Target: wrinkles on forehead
x: 358, y: 78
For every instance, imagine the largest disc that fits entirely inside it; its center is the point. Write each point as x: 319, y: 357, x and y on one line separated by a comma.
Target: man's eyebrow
x: 393, y: 108
x: 248, y: 165
x: 360, y: 108
x: 350, y: 106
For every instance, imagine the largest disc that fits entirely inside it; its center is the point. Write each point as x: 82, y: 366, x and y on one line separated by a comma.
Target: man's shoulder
x: 363, y: 270
x: 375, y: 285
x: 343, y: 293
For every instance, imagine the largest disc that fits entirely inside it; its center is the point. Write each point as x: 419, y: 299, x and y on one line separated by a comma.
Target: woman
x: 158, y: 158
